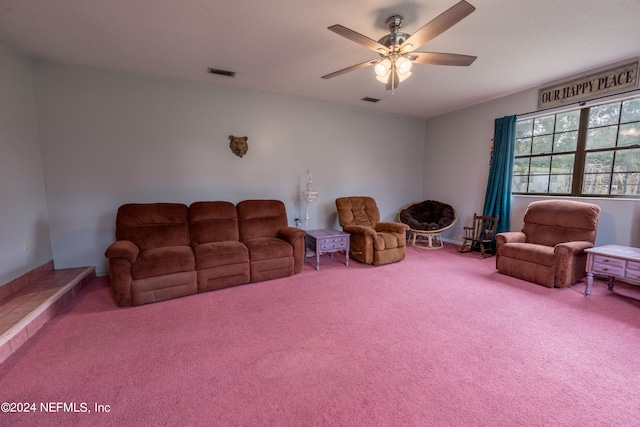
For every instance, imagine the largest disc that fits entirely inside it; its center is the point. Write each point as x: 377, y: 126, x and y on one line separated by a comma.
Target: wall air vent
x: 222, y: 72
x: 368, y: 99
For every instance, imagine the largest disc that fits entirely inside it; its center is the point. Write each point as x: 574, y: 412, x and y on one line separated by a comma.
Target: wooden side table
x: 613, y: 261
x: 327, y: 241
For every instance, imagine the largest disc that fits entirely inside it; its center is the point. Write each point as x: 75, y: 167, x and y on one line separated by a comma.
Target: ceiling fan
x: 396, y: 49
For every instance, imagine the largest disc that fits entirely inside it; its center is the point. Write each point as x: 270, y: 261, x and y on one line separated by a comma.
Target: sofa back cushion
x: 153, y: 225
x: 357, y: 211
x: 260, y: 218
x: 213, y: 222
x: 549, y: 222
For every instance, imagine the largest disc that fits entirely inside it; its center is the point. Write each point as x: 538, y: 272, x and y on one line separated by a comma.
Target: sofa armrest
x: 571, y: 262
x: 291, y: 234
x: 295, y: 237
x: 394, y: 227
x: 360, y: 230
x: 511, y: 237
x: 123, y: 249
x: 572, y: 247
x: 121, y: 254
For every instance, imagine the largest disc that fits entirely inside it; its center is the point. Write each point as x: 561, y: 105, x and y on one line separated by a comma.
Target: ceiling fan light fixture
x: 382, y: 79
x: 404, y: 66
x: 382, y: 68
x: 403, y: 77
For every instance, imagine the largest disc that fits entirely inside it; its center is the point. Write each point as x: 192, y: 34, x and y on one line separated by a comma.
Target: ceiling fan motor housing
x: 393, y: 40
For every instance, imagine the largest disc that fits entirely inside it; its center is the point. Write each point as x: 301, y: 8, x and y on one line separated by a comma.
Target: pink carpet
x: 439, y: 339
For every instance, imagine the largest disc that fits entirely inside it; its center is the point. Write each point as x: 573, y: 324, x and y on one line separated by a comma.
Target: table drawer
x: 333, y: 243
x: 609, y: 269
x: 633, y: 274
x: 604, y: 260
x: 631, y: 265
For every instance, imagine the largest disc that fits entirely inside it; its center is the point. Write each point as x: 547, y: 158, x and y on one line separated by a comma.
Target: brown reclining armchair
x: 550, y: 248
x: 372, y: 241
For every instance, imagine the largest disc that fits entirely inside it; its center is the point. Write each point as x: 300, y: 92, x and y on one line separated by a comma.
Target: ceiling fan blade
x: 438, y: 25
x: 352, y: 68
x: 436, y: 58
x: 359, y: 38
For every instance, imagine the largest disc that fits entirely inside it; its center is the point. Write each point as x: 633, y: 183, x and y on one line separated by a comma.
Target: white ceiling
x: 283, y: 46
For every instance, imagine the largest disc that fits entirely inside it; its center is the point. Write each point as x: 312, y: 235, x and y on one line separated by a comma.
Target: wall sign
x: 617, y: 79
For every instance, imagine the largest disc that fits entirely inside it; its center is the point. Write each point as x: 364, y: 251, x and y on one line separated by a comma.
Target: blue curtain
x: 497, y: 200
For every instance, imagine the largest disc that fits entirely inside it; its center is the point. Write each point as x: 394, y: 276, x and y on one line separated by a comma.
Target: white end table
x: 613, y: 261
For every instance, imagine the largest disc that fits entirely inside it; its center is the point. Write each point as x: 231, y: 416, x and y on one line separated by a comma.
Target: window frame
x: 580, y: 152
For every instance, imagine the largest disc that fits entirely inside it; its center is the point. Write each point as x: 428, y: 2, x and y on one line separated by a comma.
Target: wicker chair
x: 426, y: 221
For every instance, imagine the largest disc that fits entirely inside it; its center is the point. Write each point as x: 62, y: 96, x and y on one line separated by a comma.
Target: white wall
x: 457, y: 166
x: 23, y: 209
x: 109, y: 138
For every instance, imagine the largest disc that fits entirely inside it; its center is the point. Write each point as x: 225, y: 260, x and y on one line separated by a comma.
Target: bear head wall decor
x: 238, y: 145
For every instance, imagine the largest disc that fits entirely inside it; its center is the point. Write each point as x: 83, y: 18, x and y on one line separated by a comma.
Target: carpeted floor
x: 439, y: 339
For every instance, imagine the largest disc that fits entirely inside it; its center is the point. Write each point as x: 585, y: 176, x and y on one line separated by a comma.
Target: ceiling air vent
x: 222, y: 72
x: 368, y: 99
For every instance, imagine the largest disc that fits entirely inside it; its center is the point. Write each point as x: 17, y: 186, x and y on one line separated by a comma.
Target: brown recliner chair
x: 372, y: 241
x: 550, y: 248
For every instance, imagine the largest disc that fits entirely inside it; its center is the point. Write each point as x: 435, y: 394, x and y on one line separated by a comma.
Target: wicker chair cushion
x: 428, y: 215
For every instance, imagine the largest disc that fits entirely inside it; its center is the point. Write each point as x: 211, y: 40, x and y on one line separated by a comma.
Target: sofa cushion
x: 213, y: 222
x: 357, y: 210
x: 216, y: 254
x: 261, y: 218
x: 268, y: 248
x: 385, y: 240
x: 153, y: 225
x: 531, y: 252
x: 159, y: 261
x: 549, y: 222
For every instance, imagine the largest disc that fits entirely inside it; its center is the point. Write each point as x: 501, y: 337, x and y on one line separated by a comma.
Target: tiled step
x: 26, y: 310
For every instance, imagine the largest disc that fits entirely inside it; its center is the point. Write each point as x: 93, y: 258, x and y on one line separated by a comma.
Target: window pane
x: 523, y: 146
x: 602, y: 137
x: 598, y: 162
x: 629, y: 135
x: 520, y: 184
x: 542, y: 144
x: 596, y: 184
x: 562, y: 164
x: 543, y: 125
x: 627, y: 161
x: 630, y: 111
x: 560, y: 184
x: 626, y: 184
x: 539, y: 184
x: 603, y: 115
x: 540, y: 165
x: 566, y: 141
x: 521, y: 166
x: 524, y: 128
x: 568, y: 121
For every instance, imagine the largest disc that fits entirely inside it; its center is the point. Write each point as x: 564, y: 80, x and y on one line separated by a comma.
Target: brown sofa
x: 550, y: 248
x: 169, y: 250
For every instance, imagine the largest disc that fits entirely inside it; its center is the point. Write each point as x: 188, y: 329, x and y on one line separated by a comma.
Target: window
x: 593, y: 151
